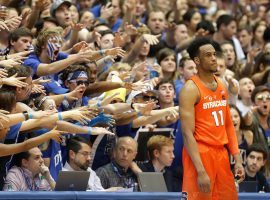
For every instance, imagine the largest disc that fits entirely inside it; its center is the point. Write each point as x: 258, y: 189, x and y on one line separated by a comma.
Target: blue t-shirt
x: 33, y: 61
x: 96, y: 11
x: 13, y: 131
x: 178, y: 86
x: 53, y: 152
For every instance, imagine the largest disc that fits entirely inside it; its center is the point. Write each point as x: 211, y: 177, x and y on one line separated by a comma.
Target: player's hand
x: 204, y: 182
x: 239, y: 171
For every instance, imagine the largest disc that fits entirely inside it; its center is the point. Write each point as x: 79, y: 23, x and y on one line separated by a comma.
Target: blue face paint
x: 53, y: 47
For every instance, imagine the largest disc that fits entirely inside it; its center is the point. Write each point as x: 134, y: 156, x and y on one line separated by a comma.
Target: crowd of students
x: 80, y: 78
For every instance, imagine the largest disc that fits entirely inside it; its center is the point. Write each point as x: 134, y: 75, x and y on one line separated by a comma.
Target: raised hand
x: 78, y: 46
x: 3, y: 26
x: 40, y: 114
x: 233, y: 84
x: 56, y: 134
x: 102, y: 119
x: 77, y: 27
x: 40, y: 81
x: 19, y: 56
x: 80, y: 115
x: 13, y: 23
x: 119, y: 40
x: 10, y: 63
x: 38, y: 89
x: 4, y: 119
x: 101, y: 131
x: 145, y: 109
x: 106, y: 11
x: 117, y: 51
x: 3, y: 73
x: 150, y: 39
x: 14, y: 81
x: 41, y: 4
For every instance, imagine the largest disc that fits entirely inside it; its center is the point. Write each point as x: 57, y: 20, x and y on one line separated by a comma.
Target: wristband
x: 131, y: 105
x: 65, y: 97
x: 6, y: 57
x: 26, y: 115
x: 60, y: 116
x: 98, y: 104
x: 30, y: 115
x: 101, y: 52
x: 89, y: 130
x: 139, y: 114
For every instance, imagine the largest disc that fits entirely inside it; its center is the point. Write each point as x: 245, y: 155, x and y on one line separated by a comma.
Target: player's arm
x: 233, y: 146
x: 188, y: 97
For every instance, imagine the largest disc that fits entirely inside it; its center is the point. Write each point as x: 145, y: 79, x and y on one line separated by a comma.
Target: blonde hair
x: 156, y: 142
x: 44, y: 35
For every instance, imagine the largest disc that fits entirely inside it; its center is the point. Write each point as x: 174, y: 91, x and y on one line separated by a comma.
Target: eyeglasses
x: 85, y: 154
x: 147, y: 98
x: 262, y: 97
x: 80, y: 82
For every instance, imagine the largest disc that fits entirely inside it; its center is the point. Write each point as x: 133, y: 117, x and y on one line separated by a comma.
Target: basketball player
x: 208, y: 131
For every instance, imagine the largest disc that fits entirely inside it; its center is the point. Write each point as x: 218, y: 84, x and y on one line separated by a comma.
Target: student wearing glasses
x: 79, y: 156
x: 75, y: 77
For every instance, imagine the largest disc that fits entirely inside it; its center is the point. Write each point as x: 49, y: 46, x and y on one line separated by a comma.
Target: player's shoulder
x: 189, y: 91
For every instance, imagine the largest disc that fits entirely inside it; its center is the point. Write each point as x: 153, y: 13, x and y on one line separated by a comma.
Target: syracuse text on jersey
x: 213, y: 103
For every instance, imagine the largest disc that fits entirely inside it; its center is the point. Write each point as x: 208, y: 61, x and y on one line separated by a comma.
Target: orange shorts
x: 216, y: 163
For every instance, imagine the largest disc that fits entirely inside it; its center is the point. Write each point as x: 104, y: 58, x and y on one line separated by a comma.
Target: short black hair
x: 193, y: 49
x: 164, y: 81
x: 20, y: 70
x: 17, y: 160
x: 189, y: 14
x: 206, y: 25
x: 266, y: 34
x: 258, y: 148
x: 20, y: 32
x: 224, y: 19
x: 258, y: 89
x: 74, y: 144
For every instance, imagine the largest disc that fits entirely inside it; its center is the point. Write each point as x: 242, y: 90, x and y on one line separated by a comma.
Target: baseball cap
x: 54, y: 87
x: 56, y: 4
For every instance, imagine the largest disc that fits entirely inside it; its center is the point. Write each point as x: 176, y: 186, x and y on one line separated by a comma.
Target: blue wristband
x: 101, y: 52
x: 139, y: 114
x: 60, y: 116
x: 30, y: 115
x: 65, y: 97
x: 89, y: 131
x: 98, y: 104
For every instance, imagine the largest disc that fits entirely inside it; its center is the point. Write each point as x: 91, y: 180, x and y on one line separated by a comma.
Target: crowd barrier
x: 110, y: 196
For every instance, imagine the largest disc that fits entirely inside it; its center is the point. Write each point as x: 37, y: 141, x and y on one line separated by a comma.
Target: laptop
x: 152, y: 182
x: 248, y: 186
x: 72, y: 181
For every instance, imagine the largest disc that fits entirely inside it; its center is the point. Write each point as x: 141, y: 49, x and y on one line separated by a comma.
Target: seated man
x: 256, y: 158
x: 118, y: 173
x: 160, y: 149
x: 29, y: 173
x: 79, y: 152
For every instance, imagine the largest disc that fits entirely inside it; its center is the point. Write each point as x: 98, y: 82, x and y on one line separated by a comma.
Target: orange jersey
x: 211, y: 114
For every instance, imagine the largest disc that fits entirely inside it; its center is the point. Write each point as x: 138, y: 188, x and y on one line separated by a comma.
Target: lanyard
x: 31, y: 187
